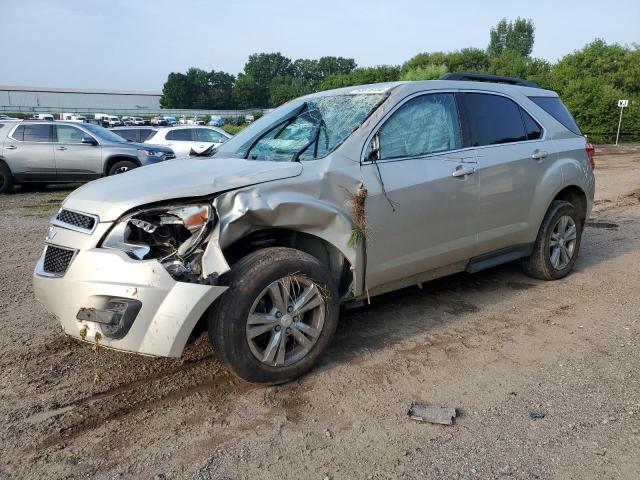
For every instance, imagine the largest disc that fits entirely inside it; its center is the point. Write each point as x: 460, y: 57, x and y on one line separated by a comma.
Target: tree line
x: 589, y: 80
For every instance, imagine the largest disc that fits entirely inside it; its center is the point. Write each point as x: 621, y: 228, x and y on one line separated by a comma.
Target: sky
x: 134, y: 45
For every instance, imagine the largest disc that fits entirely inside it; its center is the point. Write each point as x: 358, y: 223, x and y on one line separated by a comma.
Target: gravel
x: 497, y: 344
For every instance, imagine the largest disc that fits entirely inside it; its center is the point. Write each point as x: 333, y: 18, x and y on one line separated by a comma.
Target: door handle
x: 11, y: 147
x: 539, y: 155
x: 62, y: 148
x: 463, y: 171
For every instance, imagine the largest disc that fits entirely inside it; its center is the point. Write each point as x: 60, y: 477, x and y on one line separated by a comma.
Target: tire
x: 248, y: 281
x: 6, y: 179
x: 544, y: 263
x: 122, y: 166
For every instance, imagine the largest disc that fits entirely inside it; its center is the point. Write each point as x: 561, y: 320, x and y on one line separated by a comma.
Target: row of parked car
x: 112, y: 121
x: 37, y: 152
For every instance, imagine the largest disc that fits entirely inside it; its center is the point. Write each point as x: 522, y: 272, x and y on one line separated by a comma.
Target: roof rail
x: 481, y: 77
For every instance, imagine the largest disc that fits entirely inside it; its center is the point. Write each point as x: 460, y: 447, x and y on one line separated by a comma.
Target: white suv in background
x: 183, y: 140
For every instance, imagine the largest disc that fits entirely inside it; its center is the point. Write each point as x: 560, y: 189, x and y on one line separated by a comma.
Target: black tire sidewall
x: 122, y: 163
x: 6, y: 185
x: 561, y: 210
x: 227, y: 320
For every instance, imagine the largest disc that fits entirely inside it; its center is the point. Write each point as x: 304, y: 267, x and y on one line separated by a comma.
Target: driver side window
x: 425, y: 124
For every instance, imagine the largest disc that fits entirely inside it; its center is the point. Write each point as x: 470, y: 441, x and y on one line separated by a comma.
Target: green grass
x: 40, y: 210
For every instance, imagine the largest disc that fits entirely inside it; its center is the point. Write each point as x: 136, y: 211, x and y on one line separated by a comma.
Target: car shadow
x: 398, y: 316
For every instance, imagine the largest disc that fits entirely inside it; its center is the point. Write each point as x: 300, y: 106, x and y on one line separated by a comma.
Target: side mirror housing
x: 89, y: 140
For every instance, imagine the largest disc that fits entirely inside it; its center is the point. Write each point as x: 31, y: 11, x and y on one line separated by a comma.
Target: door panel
x: 75, y: 160
x: 31, y: 156
x: 434, y: 222
x: 508, y: 177
x: 505, y: 139
x: 427, y: 219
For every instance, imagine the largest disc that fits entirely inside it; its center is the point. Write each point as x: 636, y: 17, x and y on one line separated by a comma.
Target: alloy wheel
x: 286, y: 320
x: 562, y: 243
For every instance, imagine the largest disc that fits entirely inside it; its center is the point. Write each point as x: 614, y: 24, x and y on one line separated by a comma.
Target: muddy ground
x: 496, y: 345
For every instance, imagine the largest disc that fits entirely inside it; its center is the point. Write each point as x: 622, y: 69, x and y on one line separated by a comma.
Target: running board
x: 504, y: 255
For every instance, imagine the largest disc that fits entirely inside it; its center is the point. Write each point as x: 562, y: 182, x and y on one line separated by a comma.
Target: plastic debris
x: 432, y: 414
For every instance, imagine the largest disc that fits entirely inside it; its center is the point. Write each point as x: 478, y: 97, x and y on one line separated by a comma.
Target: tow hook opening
x: 115, y: 319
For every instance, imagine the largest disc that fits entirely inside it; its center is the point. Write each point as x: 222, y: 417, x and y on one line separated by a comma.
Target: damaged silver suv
x: 332, y: 198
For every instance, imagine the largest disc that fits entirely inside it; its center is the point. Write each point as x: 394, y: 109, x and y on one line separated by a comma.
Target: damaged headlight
x: 173, y: 235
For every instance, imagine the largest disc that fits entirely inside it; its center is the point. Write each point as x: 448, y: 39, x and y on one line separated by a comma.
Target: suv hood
x: 110, y: 197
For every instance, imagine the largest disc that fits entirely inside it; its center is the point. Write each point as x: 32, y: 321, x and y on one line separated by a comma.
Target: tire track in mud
x: 84, y: 415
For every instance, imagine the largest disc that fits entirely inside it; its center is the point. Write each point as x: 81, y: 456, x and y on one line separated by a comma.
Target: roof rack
x: 481, y: 77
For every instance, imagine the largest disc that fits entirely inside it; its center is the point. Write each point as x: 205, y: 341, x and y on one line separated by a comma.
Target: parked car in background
x: 73, y: 117
x: 138, y: 121
x: 127, y: 121
x: 184, y: 139
x: 261, y: 247
x: 108, y: 120
x: 216, y: 121
x: 36, y: 152
x: 7, y: 117
x: 164, y: 121
x: 42, y: 116
x: 135, y: 134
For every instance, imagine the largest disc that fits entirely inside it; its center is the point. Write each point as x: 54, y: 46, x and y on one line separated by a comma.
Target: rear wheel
x: 6, y: 179
x: 122, y: 166
x: 556, y: 248
x: 277, y: 317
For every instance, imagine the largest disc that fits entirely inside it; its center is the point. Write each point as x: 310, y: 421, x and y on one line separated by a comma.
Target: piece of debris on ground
x: 428, y: 413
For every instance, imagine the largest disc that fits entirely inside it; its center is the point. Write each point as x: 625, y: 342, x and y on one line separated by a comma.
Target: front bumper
x: 96, y: 276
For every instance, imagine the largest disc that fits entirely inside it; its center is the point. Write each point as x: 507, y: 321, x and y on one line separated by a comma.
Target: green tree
x: 465, y: 60
x: 360, y: 76
x: 264, y: 67
x: 283, y: 89
x: 247, y: 93
x: 517, y: 36
x: 428, y: 72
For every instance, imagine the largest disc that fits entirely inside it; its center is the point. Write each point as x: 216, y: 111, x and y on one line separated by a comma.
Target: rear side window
x: 533, y: 129
x: 183, y: 134
x: 492, y: 120
x: 425, y: 124
x: 40, y: 133
x: 554, y: 107
x: 18, y: 133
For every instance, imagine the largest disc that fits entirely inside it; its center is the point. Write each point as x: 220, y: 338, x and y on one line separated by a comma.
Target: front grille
x: 76, y: 219
x: 57, y: 260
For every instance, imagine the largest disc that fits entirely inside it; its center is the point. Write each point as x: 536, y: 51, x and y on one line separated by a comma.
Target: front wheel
x: 556, y: 248
x: 277, y: 317
x: 121, y: 167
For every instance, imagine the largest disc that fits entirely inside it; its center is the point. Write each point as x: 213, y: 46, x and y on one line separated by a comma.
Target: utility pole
x: 622, y: 104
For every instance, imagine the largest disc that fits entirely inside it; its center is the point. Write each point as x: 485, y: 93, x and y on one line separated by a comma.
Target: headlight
x: 151, y: 153
x: 170, y: 234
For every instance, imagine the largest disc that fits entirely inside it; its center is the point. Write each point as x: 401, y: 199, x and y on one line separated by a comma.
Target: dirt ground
x: 496, y: 345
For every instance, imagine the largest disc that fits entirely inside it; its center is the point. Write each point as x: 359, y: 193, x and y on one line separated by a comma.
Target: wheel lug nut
x: 287, y: 331
x: 277, y: 328
x: 289, y: 309
x: 278, y: 314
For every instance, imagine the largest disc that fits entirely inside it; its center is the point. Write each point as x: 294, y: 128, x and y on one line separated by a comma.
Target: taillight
x: 591, y: 153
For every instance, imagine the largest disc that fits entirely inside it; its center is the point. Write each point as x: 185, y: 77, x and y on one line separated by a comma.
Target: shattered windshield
x: 302, y: 129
